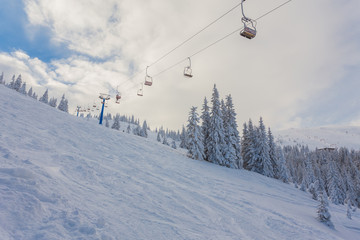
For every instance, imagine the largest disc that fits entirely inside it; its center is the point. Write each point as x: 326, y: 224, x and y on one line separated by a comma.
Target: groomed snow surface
x: 63, y: 177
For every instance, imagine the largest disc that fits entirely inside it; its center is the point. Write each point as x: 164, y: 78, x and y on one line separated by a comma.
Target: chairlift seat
x: 118, y: 97
x: 148, y: 81
x: 248, y: 32
x: 188, y: 72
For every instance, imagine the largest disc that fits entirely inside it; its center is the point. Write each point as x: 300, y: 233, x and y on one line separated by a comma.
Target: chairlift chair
x: 247, y: 31
x: 148, y: 79
x: 188, y: 70
x: 140, y: 91
x: 118, y: 97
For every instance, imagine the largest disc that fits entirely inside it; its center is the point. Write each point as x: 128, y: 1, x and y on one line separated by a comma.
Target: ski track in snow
x: 63, y: 177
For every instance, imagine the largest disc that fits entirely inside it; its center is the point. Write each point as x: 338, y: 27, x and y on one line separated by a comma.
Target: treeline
x: 20, y: 86
x: 334, y: 174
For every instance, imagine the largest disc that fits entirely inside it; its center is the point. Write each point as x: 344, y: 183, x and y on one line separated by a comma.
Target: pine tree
x: 144, y: 130
x: 165, y: 141
x: 282, y: 171
x: 248, y: 145
x: 30, y: 92
x: 183, y: 138
x: 272, y: 154
x: 116, y: 124
x: 173, y: 144
x: 12, y: 83
x: 2, y: 78
x: 158, y: 138
x: 35, y: 96
x: 232, y: 138
x: 128, y: 129
x: 17, y: 84
x: 216, y: 140
x: 45, y: 97
x: 23, y: 89
x: 107, y: 124
x: 53, y: 102
x: 63, y: 105
x: 195, y: 144
x: 334, y: 184
x: 323, y: 211
x: 205, y: 127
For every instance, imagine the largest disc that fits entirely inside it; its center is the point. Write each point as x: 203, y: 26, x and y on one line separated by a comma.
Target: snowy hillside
x: 63, y: 177
x: 346, y: 136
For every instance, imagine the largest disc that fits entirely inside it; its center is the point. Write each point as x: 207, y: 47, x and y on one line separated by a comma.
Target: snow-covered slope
x: 63, y: 177
x: 333, y: 136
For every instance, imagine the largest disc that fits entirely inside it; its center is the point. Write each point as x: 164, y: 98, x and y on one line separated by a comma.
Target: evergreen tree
x: 116, y: 124
x: 216, y: 140
x: 165, y: 141
x: 30, y: 92
x: 45, y: 97
x: 107, y: 124
x: 334, y: 184
x: 158, y: 138
x: 53, y: 102
x: 63, y: 105
x: 128, y: 129
x: 144, y: 130
x: 272, y: 154
x: 12, y: 83
x: 195, y: 144
x: 183, y: 138
x: 2, y: 78
x: 17, y: 84
x: 205, y: 127
x: 35, y: 96
x: 173, y: 144
x: 23, y: 89
x: 323, y: 211
x: 232, y: 138
x: 248, y: 147
x: 282, y: 171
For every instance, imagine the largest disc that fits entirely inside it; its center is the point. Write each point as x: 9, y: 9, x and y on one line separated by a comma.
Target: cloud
x: 302, y: 50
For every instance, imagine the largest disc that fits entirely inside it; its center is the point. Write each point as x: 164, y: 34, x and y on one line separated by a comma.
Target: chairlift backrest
x: 188, y: 72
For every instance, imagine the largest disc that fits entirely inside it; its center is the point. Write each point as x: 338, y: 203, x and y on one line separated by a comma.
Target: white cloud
x: 301, y: 50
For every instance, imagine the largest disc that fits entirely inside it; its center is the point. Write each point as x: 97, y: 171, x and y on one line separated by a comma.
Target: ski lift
x: 140, y: 91
x: 247, y: 31
x: 118, y: 97
x: 148, y: 79
x: 187, y: 70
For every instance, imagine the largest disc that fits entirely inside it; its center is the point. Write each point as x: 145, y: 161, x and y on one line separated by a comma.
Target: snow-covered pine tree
x: 282, y: 171
x: 12, y: 83
x: 23, y: 89
x: 52, y: 102
x: 2, y: 78
x: 205, y: 126
x: 183, y: 138
x: 232, y: 138
x: 158, y: 137
x: 334, y: 184
x: 173, y: 144
x: 144, y: 132
x: 30, y: 92
x: 45, y: 97
x: 272, y: 154
x: 165, y: 141
x: 216, y: 140
x: 116, y: 124
x: 17, y: 84
x: 128, y: 129
x: 63, y: 105
x: 323, y: 211
x: 35, y: 96
x: 194, y: 143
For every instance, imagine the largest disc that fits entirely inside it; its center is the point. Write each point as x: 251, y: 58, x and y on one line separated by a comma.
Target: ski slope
x: 63, y: 177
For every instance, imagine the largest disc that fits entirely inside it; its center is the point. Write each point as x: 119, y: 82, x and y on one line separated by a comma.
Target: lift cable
x: 219, y: 40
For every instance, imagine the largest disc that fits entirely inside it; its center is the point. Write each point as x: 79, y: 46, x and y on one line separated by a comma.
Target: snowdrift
x: 63, y: 177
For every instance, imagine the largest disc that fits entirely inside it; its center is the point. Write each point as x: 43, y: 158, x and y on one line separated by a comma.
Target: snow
x: 322, y: 137
x: 63, y: 177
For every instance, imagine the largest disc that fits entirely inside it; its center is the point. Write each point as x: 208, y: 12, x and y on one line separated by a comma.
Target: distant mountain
x: 322, y: 137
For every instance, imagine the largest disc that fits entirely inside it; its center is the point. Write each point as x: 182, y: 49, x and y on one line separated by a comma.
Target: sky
x: 301, y: 70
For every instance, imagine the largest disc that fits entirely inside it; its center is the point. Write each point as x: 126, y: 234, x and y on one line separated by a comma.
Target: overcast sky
x: 301, y: 70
